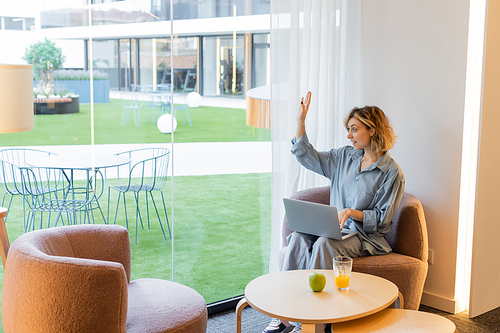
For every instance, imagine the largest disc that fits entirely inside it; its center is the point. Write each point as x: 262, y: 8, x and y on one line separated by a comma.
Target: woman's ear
x: 372, y: 131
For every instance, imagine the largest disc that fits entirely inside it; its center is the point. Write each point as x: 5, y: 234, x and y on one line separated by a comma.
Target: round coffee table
x: 397, y: 320
x: 287, y: 296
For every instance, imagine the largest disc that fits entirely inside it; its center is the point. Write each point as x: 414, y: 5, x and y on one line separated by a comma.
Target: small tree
x: 45, y: 57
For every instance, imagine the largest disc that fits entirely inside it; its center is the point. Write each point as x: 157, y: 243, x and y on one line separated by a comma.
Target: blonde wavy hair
x: 373, y: 117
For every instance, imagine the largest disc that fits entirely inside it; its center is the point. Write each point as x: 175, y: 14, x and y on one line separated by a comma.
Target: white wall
x: 413, y: 67
x: 16, y: 43
x: 13, y: 45
x: 73, y: 51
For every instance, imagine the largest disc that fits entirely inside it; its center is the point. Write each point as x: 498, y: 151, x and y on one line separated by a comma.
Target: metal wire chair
x: 134, y: 105
x: 184, y: 109
x: 146, y: 172
x: 159, y: 103
x: 64, y: 198
x: 11, y: 160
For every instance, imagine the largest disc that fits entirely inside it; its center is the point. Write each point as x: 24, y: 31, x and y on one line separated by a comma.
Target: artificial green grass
x: 222, y: 226
x: 210, y: 124
x: 222, y: 222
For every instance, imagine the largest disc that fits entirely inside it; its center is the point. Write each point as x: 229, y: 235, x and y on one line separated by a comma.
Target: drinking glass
x: 342, y: 272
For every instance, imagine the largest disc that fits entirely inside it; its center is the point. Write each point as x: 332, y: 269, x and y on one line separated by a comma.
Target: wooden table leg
x: 4, y: 239
x: 239, y: 308
x: 400, y: 302
x: 313, y: 328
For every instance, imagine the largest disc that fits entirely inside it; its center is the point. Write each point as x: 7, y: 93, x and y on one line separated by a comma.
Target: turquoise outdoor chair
x: 184, y: 110
x: 132, y: 104
x: 12, y: 160
x: 146, y: 172
x: 193, y: 100
x: 159, y: 104
x: 49, y: 190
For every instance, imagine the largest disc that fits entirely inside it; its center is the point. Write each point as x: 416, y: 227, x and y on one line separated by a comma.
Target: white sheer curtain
x: 314, y: 46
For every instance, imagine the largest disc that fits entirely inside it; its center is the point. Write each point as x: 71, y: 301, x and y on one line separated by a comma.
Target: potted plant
x: 45, y: 57
x: 79, y: 82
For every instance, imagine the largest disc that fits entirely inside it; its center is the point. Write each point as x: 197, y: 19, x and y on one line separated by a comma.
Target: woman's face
x: 359, y: 134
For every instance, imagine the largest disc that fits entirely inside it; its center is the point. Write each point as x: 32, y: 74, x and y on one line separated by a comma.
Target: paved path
x: 192, y: 159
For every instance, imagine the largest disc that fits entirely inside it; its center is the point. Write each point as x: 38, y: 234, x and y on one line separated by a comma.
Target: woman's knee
x: 323, y: 241
x: 300, y: 238
x: 332, y: 246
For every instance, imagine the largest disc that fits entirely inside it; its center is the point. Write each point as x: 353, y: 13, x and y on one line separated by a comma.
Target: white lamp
x: 193, y: 99
x: 166, y: 122
x: 16, y: 98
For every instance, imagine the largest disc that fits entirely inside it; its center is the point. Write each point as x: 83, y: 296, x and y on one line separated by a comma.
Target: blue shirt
x: 376, y: 191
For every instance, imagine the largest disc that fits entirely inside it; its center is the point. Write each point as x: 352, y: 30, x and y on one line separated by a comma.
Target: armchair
x: 77, y: 279
x: 406, y: 266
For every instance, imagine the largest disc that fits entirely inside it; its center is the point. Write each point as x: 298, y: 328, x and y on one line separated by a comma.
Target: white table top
x: 287, y: 296
x: 78, y: 161
x: 263, y: 92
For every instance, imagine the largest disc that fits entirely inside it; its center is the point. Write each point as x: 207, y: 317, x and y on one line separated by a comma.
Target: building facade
x: 219, y: 47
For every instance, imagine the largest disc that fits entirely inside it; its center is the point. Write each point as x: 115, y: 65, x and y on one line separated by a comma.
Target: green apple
x: 317, y: 281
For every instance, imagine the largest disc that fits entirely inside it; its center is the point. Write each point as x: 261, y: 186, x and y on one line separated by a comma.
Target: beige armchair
x: 77, y: 279
x: 406, y: 266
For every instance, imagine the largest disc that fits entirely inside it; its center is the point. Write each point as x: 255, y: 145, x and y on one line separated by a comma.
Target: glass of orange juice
x: 342, y: 272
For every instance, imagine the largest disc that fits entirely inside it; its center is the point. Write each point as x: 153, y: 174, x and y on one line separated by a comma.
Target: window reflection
x: 222, y: 205
x: 108, y: 12
x: 224, y: 65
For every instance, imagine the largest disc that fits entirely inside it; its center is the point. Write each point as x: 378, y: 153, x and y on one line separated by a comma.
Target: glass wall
x: 217, y: 193
x: 105, y: 59
x: 221, y: 197
x: 104, y: 12
x: 56, y: 14
x: 147, y: 61
x: 127, y: 56
x: 211, y: 66
x: 16, y: 23
x: 185, y: 64
x: 155, y: 62
x: 223, y: 65
x: 118, y: 59
x: 261, y: 60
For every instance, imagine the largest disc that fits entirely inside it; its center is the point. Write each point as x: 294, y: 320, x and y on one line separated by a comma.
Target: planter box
x: 56, y: 105
x: 82, y: 88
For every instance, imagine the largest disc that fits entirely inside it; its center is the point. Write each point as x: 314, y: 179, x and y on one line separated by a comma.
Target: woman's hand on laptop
x: 346, y: 213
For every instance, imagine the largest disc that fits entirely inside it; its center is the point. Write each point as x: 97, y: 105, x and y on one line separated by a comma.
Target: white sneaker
x: 277, y: 326
x: 296, y: 329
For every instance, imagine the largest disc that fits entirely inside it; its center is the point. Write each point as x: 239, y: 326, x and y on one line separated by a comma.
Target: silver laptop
x: 315, y: 219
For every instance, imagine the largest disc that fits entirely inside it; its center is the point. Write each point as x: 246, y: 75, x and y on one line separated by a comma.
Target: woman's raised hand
x: 301, y: 117
x: 304, y: 107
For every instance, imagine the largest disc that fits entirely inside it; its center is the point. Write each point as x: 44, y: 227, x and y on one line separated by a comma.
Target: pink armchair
x: 77, y: 279
x: 406, y: 266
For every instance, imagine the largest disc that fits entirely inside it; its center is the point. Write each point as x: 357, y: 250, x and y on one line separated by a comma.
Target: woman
x: 366, y: 187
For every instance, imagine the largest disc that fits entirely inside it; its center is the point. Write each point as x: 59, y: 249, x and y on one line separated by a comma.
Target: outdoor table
x: 159, y: 104
x: 88, y: 163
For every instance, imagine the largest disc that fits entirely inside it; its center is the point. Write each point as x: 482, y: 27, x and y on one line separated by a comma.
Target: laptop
x: 315, y: 219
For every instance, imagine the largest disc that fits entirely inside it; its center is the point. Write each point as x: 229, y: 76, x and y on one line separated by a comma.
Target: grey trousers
x: 313, y: 252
